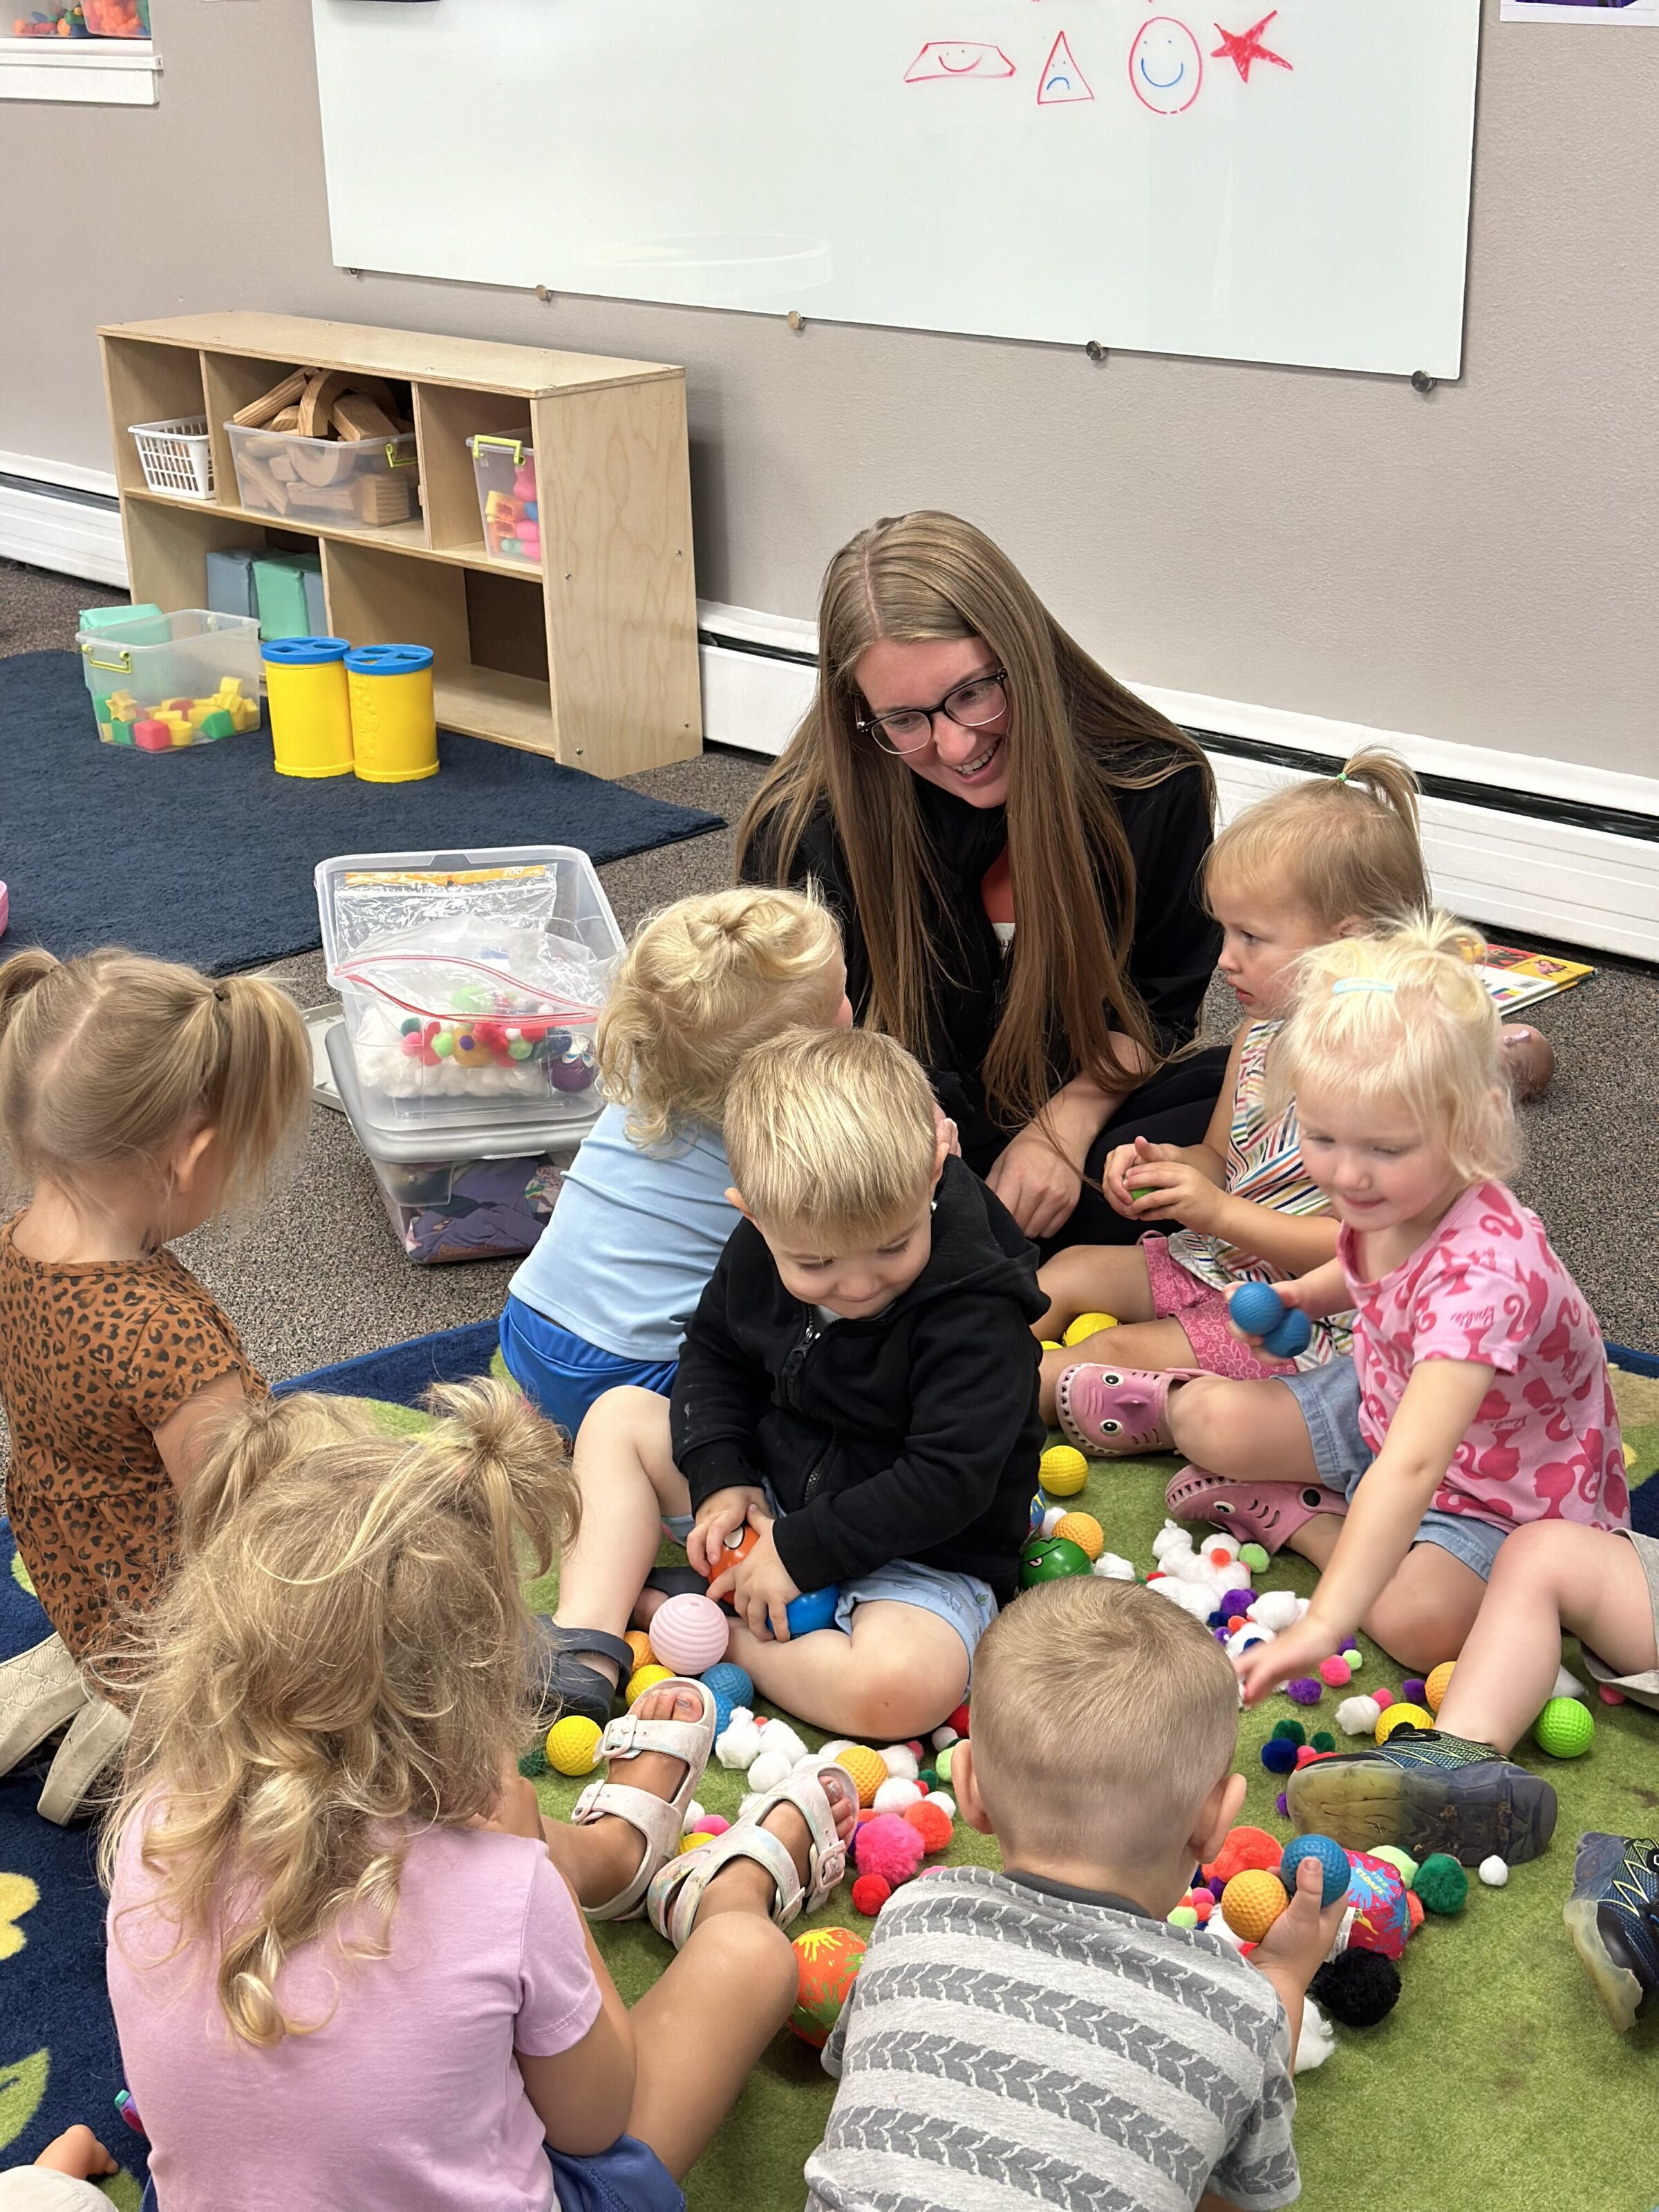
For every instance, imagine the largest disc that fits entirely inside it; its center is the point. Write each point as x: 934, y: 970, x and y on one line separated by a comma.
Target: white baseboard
x: 1541, y: 878
x: 72, y: 537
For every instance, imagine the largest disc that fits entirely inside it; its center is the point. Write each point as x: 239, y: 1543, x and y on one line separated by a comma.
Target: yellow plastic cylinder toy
x: 394, y: 730
x: 310, y: 705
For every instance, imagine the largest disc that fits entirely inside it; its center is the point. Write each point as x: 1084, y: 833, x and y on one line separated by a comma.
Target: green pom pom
x: 928, y: 1777
x: 1441, y: 1883
x: 1293, y: 1732
x: 1323, y: 1739
x: 532, y: 1762
x: 1182, y: 1917
x: 1404, y: 1864
x: 1252, y: 1555
x: 942, y: 1765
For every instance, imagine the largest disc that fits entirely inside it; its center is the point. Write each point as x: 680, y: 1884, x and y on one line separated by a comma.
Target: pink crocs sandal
x: 1265, y: 1513
x: 1112, y: 1412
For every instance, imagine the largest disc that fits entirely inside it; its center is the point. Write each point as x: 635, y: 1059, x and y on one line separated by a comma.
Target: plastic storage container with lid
x: 472, y: 1191
x: 117, y: 19
x: 356, y: 483
x: 394, y: 729
x: 164, y: 682
x: 471, y: 982
x: 506, y: 470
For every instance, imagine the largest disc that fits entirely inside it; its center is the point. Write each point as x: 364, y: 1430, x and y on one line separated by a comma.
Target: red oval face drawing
x: 1166, y: 66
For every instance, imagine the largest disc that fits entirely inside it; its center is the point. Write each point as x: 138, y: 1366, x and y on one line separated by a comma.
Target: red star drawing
x: 1245, y: 47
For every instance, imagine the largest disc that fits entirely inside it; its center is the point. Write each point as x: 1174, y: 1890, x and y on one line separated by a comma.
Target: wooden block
x: 320, y: 395
x: 258, y: 412
x: 322, y: 464
x: 355, y: 416
x: 321, y: 499
x: 287, y: 421
x: 272, y: 494
x: 383, y: 498
x: 282, y: 467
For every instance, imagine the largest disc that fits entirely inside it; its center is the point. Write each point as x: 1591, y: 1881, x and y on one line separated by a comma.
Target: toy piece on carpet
x: 1565, y: 1729
x: 828, y: 1962
x: 689, y: 1634
x: 1358, y: 1988
x: 1050, y: 1559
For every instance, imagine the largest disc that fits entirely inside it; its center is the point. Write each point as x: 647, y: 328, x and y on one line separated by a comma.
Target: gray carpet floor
x: 319, y: 1279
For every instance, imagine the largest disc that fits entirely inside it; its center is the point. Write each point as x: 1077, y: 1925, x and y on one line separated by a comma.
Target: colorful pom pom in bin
x: 161, y: 682
x: 394, y: 729
x: 310, y: 706
x: 506, y: 470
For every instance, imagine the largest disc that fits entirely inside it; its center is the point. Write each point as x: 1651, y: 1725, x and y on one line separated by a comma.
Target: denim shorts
x: 968, y: 1604
x: 562, y: 1373
x: 1328, y: 1399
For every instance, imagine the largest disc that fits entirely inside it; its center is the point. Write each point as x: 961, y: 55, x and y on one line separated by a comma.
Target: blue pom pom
x: 1279, y: 1755
x: 1332, y: 1862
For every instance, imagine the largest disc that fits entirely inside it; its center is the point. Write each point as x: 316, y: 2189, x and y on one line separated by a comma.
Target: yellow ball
x: 573, y: 1745
x: 1252, y: 1901
x: 1434, y: 1689
x: 1083, y: 1530
x: 1396, y: 1716
x: 695, y: 1841
x: 1062, y: 1470
x: 646, y: 1678
x: 1629, y: 1451
x: 640, y: 1644
x: 867, y: 1768
x: 1089, y: 1325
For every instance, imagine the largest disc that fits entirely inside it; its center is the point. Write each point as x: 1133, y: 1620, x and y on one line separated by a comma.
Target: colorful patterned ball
x: 643, y: 1679
x: 867, y: 1768
x: 1087, y: 1325
x: 689, y: 1633
x: 1434, y: 1690
x: 1401, y: 1715
x: 1251, y: 1902
x: 1382, y: 1919
x: 1564, y: 1729
x: 573, y: 1744
x: 1051, y: 1559
x: 1062, y: 1470
x: 1332, y: 1862
x: 827, y: 1962
x: 1085, y: 1531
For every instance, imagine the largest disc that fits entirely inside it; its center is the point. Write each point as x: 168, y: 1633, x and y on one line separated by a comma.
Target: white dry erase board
x: 1288, y: 186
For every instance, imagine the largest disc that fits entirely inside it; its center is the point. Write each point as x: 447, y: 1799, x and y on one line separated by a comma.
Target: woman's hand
x: 1295, y: 1650
x: 1037, y: 1183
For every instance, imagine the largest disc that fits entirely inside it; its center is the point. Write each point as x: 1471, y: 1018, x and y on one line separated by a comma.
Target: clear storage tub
x: 361, y: 483
x: 467, y: 1198
x: 472, y: 983
x: 506, y: 470
x: 163, y: 681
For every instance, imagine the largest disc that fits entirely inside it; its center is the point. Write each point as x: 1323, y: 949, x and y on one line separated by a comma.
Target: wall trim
x: 74, y: 532
x: 62, y: 476
x: 94, y: 72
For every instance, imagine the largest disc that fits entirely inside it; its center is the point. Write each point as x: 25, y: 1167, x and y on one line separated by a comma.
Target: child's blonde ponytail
x: 1345, y: 847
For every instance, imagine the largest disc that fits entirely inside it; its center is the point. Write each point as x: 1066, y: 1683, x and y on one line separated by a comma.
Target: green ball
x: 1441, y: 1883
x: 1051, y: 1559
x: 1565, y: 1729
x: 1290, y: 1732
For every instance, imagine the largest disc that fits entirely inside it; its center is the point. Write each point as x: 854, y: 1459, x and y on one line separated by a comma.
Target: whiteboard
x: 1287, y: 186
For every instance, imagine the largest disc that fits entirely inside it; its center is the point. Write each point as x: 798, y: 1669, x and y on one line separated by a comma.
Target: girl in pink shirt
x: 348, y: 1959
x: 1478, y: 1399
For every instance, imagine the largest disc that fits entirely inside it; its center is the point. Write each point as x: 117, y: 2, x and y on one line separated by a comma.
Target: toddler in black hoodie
x: 858, y: 1387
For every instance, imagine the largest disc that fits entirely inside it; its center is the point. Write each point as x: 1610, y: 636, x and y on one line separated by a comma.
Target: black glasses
x: 970, y: 706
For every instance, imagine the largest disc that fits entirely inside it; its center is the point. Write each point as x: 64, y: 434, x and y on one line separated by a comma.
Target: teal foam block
x: 230, y: 580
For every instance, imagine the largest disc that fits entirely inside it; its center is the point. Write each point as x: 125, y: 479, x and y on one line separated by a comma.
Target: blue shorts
x: 563, y: 1373
x: 629, y: 2177
x: 1328, y: 1399
x: 968, y: 1604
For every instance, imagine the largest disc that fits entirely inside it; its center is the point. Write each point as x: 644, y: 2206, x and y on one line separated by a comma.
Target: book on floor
x: 1516, y: 978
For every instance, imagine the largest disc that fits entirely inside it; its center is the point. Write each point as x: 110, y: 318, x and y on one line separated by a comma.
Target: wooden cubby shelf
x: 589, y: 655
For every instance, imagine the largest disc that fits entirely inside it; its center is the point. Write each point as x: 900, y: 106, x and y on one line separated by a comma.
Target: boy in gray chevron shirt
x: 1043, y: 2035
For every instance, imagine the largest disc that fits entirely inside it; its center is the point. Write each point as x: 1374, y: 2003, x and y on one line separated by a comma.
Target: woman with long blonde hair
x: 1012, y: 842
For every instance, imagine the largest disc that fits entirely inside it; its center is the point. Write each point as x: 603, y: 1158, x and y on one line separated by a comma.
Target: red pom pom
x: 1202, y: 1904
x: 888, y: 1847
x: 1414, y: 1908
x: 1236, y: 1621
x: 959, y: 1720
x: 931, y: 1822
x: 1246, y: 1847
x: 1382, y: 1698
x: 916, y: 1751
x: 870, y: 1893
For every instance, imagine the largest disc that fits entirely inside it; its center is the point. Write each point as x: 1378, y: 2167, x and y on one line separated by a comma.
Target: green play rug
x: 1495, y: 2080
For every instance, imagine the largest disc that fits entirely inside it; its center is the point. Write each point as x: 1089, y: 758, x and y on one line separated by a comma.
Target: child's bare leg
x: 1150, y: 1344
x: 1428, y: 1607
x: 897, y: 1674
x: 1549, y: 1576
x: 626, y: 1473
x: 1093, y: 1279
x: 1249, y: 1431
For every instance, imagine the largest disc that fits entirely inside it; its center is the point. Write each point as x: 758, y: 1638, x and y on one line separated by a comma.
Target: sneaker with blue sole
x: 1425, y: 1791
x: 1612, y: 1916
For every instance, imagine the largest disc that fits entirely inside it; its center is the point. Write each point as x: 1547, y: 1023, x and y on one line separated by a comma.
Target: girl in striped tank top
x: 1322, y: 858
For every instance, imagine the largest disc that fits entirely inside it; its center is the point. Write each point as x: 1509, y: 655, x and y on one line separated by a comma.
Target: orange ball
x: 1437, y: 1685
x: 640, y: 1644
x: 931, y: 1822
x: 867, y: 1768
x: 1083, y: 1530
x: 1252, y: 1901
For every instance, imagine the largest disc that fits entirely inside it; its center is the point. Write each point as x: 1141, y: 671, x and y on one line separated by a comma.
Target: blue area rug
x: 403, y: 1373
x: 206, y: 855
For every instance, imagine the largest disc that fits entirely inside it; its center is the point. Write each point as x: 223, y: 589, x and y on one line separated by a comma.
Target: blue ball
x: 813, y: 1609
x: 731, y: 1684
x: 1256, y: 1308
x: 1292, y: 1335
x: 1332, y: 1861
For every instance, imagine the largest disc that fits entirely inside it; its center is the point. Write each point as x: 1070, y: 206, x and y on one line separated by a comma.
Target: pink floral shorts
x: 1202, y: 1312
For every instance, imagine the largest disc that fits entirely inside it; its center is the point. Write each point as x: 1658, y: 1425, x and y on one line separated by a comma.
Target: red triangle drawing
x: 1061, y: 79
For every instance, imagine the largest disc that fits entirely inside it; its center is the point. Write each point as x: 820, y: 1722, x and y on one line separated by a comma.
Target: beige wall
x: 1478, y: 565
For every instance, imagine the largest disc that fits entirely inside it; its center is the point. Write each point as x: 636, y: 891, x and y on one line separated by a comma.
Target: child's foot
x: 741, y: 1885
x: 1265, y: 1513
x: 655, y: 1786
x: 1425, y: 1792
x: 787, y: 1868
x: 1113, y: 1412
x: 1612, y: 1916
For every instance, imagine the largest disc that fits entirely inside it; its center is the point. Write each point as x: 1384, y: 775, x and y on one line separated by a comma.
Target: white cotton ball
x: 740, y: 1745
x: 1301, y: 1605
x: 1567, y: 1685
x: 1274, y: 1609
x: 836, y: 1744
x: 695, y: 1816
x: 1114, y: 1569
x: 1053, y: 1518
x: 1215, y: 1542
x: 1316, y: 2041
x: 1191, y: 1597
x: 943, y: 1738
x: 1494, y: 1871
x: 1216, y: 1925
x: 1172, y: 1538
x: 1359, y: 1716
x: 769, y: 1770
x: 1241, y: 1638
x: 900, y: 1761
x: 896, y: 1793
x: 945, y: 1803
x: 777, y: 1736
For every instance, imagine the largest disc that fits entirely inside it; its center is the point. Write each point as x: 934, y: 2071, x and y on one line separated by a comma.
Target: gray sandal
x: 567, y: 1685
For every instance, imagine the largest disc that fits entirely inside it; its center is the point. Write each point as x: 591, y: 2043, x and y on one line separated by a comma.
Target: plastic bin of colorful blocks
x: 506, y: 470
x: 117, y: 19
x: 62, y: 20
x: 160, y: 683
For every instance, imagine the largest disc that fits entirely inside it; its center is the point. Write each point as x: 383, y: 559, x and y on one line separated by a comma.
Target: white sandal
x: 661, y: 1820
x: 676, y: 1892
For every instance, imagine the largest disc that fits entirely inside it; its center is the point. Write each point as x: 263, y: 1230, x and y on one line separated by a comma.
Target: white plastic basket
x: 176, y: 456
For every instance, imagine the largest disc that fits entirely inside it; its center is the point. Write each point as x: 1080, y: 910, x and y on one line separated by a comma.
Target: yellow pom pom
x: 646, y: 1678
x: 640, y: 1644
x: 1434, y: 1689
x: 573, y: 1745
x: 1050, y: 1344
x: 1083, y: 1530
x: 1629, y: 1451
x: 1089, y: 1325
x: 867, y: 1768
x: 1252, y: 1901
x: 1397, y: 1716
x: 696, y: 1842
x: 1062, y: 1470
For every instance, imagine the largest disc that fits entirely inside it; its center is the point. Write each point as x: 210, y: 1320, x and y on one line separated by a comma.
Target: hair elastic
x: 1360, y: 983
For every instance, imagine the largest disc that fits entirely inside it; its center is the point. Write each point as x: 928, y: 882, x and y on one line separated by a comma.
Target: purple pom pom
x: 1413, y: 1691
x: 1220, y: 1634
x: 1306, y: 1690
x: 1283, y: 1806
x: 1279, y: 1755
x: 1216, y: 1886
x: 1236, y: 1600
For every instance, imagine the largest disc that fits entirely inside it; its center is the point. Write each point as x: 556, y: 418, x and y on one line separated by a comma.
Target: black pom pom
x: 1359, y: 1988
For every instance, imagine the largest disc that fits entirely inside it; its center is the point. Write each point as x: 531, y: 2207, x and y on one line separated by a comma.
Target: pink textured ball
x: 688, y: 1633
x: 888, y: 1847
x: 1336, y: 1672
x: 870, y: 1893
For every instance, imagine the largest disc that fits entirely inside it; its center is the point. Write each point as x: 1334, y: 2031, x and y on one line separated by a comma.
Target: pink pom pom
x: 870, y: 1893
x: 890, y: 1847
x: 1380, y: 1698
x: 1305, y: 1754
x: 1609, y: 1695
x: 1202, y: 1904
x: 1336, y: 1672
x: 713, y: 1824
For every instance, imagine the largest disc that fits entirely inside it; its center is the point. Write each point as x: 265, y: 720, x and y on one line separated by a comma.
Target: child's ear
x: 734, y: 1197
x: 1216, y: 1815
x: 187, y: 1160
x: 1352, y: 925
x: 964, y: 1786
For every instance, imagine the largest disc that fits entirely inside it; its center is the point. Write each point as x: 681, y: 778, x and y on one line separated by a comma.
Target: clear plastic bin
x: 506, y: 470
x: 362, y: 483
x: 472, y: 983
x: 469, y: 1202
x: 117, y: 19
x: 161, y: 682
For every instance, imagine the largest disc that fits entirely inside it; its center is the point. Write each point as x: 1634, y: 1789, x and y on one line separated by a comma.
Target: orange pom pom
x: 1246, y: 1848
x: 931, y: 1822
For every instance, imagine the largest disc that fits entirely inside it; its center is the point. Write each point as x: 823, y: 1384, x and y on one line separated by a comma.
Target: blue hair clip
x: 1360, y: 983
